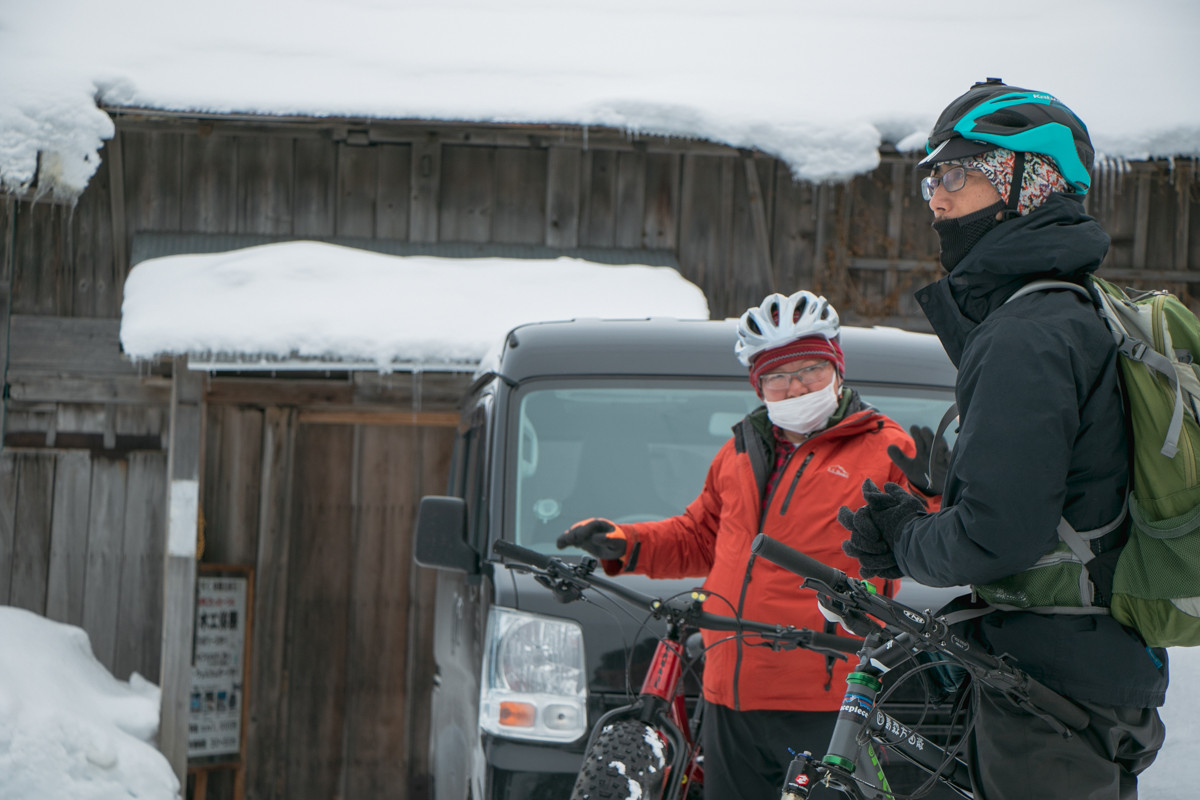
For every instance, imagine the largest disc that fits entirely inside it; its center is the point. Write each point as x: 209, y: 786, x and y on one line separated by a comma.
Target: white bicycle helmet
x: 780, y: 320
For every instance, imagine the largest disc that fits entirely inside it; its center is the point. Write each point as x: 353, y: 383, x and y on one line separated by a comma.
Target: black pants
x: 1016, y: 756
x: 746, y: 754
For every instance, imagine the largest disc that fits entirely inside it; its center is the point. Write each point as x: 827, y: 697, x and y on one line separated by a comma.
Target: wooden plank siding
x: 102, y: 570
x: 8, y: 219
x: 386, y: 491
x: 319, y: 582
x: 68, y: 539
x: 78, y: 541
x: 29, y: 567
x: 139, y: 626
x: 501, y: 187
x: 266, y: 740
x: 314, y: 480
x: 9, y: 474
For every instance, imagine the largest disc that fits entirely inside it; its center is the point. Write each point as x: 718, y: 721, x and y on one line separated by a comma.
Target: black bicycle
x: 650, y: 747
x: 896, y: 635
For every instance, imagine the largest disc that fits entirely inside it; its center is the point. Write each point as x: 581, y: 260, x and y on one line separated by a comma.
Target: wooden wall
x: 324, y: 510
x: 736, y: 221
x: 81, y: 543
x: 313, y: 479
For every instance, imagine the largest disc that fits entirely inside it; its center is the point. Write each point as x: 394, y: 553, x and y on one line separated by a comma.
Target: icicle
x: 417, y: 380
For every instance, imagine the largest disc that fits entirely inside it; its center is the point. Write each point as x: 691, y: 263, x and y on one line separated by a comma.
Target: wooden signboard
x: 220, y: 672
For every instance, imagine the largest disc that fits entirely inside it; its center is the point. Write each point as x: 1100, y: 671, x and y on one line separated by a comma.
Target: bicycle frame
x: 860, y: 717
x: 894, y: 633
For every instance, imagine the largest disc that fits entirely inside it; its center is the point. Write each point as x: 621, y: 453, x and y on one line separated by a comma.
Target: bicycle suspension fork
x: 663, y: 707
x: 846, y: 742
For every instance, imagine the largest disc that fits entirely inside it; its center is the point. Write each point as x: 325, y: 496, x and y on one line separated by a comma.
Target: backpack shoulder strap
x: 1047, y: 284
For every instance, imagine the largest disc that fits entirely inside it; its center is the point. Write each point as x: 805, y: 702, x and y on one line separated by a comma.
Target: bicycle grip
x: 507, y: 549
x: 793, y: 560
x: 830, y: 641
x: 1056, y: 705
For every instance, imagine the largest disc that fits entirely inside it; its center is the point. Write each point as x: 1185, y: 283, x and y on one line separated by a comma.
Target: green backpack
x: 1156, y: 583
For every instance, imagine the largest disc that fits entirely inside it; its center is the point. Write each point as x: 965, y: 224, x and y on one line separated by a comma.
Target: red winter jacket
x: 712, y: 539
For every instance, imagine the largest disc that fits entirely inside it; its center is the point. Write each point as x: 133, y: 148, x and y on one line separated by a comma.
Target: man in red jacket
x: 789, y: 467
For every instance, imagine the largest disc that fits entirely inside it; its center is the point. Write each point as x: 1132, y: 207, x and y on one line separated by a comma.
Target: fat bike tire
x: 627, y: 761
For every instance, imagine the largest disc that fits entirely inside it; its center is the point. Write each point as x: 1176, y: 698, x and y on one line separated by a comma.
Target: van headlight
x: 534, y: 678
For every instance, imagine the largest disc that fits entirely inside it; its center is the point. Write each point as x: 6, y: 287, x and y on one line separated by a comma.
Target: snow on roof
x: 819, y: 83
x: 301, y: 301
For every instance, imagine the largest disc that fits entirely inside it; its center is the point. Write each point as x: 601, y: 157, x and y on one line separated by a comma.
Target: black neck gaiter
x: 959, y: 235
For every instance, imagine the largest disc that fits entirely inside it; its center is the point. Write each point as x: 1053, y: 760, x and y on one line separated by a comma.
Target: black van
x: 578, y: 419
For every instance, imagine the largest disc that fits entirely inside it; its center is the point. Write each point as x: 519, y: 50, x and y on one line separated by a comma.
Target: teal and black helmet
x: 992, y: 114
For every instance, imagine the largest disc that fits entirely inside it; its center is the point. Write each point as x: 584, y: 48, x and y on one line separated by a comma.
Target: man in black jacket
x: 1041, y: 440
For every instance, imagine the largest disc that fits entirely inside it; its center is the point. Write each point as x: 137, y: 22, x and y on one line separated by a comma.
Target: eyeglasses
x: 952, y: 179
x: 809, y: 376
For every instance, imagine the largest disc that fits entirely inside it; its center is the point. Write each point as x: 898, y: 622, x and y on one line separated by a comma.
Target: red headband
x: 808, y: 347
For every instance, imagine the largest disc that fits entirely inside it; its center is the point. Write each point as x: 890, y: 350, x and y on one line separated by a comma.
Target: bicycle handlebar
x: 582, y: 578
x: 800, y: 563
x: 931, y: 633
x: 507, y: 549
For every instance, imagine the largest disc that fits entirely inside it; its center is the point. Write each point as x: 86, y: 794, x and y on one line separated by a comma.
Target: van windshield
x: 632, y: 454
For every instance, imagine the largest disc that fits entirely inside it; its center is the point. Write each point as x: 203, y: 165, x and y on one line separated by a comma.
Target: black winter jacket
x: 1041, y: 435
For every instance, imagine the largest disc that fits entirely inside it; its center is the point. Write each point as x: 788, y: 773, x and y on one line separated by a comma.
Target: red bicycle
x: 650, y: 747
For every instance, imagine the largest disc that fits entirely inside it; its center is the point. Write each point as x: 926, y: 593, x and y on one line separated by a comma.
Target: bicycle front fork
x: 844, y: 746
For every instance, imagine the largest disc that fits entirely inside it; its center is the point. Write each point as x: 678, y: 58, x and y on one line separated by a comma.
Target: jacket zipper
x: 762, y: 515
x: 787, y: 499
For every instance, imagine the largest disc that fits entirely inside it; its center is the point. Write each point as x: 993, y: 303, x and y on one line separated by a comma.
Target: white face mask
x: 805, y: 413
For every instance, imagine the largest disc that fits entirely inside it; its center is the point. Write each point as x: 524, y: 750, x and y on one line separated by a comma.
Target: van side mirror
x: 442, y: 535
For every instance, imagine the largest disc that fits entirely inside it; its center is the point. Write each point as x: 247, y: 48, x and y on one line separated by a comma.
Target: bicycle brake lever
x: 849, y: 617
x: 564, y: 590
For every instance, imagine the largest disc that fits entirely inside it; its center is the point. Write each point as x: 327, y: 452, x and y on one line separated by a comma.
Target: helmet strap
x: 1012, y: 209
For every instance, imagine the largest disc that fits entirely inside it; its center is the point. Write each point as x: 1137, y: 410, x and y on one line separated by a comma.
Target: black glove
x: 867, y: 545
x: 873, y: 528
x: 597, y: 536
x: 925, y: 474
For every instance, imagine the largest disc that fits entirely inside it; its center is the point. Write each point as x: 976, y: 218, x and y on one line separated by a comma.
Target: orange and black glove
x: 598, y: 537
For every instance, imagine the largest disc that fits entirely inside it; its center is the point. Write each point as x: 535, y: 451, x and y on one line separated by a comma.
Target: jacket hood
x: 1058, y: 240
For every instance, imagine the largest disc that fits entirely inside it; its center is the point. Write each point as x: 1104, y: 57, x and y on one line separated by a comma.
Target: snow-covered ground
x: 1173, y: 776
x: 68, y: 728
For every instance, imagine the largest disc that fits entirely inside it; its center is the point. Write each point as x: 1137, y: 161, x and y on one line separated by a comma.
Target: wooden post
x: 758, y: 215
x: 426, y: 189
x: 8, y: 228
x: 562, y: 197
x: 184, y: 460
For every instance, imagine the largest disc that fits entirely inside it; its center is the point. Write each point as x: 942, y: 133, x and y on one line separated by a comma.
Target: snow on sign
x: 218, y: 674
